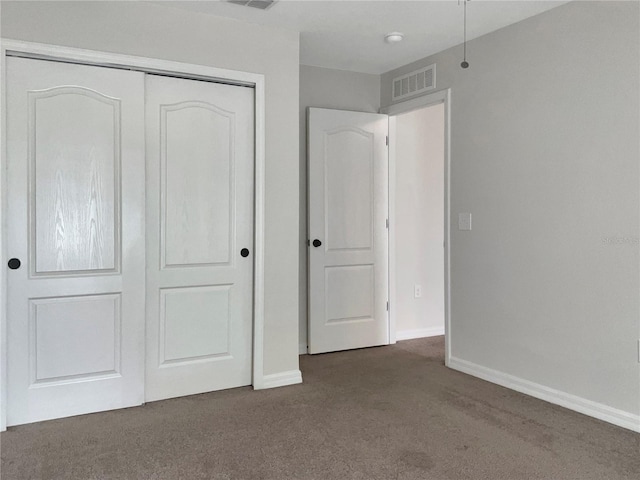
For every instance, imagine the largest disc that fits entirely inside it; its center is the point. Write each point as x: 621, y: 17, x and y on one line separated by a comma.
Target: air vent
x: 413, y: 83
x: 261, y: 4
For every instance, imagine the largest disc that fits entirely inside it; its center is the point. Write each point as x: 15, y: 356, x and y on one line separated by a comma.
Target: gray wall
x: 326, y: 88
x: 418, y: 220
x: 545, y: 154
x: 161, y: 32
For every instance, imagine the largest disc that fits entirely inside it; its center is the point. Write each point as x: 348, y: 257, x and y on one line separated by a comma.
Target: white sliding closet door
x: 75, y: 230
x: 200, y: 160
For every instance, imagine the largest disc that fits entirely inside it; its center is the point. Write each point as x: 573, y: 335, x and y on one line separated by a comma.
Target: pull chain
x: 464, y: 63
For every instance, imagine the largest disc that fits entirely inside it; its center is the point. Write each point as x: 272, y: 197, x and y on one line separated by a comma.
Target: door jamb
x: 147, y: 65
x: 444, y: 97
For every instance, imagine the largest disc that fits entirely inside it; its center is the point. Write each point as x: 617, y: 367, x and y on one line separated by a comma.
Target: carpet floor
x: 387, y: 413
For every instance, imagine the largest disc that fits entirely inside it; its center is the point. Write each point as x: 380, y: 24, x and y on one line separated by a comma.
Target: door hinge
x: 387, y: 223
x: 387, y: 306
x: 387, y: 140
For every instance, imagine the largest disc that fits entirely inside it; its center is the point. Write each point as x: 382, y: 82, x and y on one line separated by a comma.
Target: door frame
x: 147, y: 65
x: 444, y: 97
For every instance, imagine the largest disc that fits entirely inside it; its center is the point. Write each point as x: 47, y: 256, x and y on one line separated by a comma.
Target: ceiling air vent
x: 413, y: 83
x: 261, y: 4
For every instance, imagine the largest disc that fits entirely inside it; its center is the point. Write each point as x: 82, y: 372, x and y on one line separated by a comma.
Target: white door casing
x: 444, y: 97
x: 348, y: 212
x: 200, y: 171
x: 75, y: 219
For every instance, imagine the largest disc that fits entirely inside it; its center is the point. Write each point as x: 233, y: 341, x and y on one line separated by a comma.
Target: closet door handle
x: 244, y: 252
x: 317, y: 243
x: 14, y: 263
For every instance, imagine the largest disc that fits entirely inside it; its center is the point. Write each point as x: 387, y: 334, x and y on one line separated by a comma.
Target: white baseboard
x: 419, y: 333
x: 567, y: 400
x: 302, y: 349
x: 282, y: 379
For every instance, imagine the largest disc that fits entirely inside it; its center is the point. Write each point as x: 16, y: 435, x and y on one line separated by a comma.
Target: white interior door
x: 348, y: 252
x: 75, y: 221
x: 200, y: 159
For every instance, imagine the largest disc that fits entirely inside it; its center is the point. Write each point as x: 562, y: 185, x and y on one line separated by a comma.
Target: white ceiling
x: 349, y: 35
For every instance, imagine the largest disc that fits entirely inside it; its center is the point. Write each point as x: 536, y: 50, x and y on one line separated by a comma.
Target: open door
x: 348, y: 230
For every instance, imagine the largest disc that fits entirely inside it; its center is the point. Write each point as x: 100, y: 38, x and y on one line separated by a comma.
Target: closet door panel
x: 75, y: 210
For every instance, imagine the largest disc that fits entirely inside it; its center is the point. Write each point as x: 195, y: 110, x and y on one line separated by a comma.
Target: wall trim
x: 419, y: 333
x: 572, y: 402
x: 444, y: 97
x: 282, y: 379
x: 424, y: 100
x: 152, y: 65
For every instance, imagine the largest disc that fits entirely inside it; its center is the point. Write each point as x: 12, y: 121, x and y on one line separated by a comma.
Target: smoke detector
x: 393, y: 37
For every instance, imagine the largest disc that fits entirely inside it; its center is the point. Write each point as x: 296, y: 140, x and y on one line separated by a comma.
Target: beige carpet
x: 381, y: 413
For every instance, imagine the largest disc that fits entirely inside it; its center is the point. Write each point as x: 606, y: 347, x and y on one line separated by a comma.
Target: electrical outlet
x: 417, y: 291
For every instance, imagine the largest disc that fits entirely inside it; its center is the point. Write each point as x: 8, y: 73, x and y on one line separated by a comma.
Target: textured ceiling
x: 349, y: 35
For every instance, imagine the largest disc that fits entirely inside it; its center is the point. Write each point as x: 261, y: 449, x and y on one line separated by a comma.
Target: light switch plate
x: 464, y: 221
